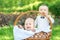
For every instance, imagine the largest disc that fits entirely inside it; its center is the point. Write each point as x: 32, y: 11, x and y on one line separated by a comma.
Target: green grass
x: 6, y: 33
x: 56, y: 33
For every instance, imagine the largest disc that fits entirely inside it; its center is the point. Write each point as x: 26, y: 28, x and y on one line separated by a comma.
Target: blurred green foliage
x: 55, y: 8
x: 8, y: 6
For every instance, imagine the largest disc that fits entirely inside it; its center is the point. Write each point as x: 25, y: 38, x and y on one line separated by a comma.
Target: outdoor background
x: 8, y: 14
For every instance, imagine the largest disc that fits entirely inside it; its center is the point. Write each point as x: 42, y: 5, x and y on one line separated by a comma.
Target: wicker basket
x: 38, y: 36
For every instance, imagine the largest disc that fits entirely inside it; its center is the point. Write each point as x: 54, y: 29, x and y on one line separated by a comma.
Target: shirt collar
x: 42, y: 17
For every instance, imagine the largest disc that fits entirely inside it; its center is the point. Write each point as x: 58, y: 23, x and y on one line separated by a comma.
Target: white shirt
x: 20, y: 34
x: 43, y: 24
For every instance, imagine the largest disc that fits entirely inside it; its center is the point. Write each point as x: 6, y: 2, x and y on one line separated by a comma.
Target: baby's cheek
x: 40, y: 11
x: 46, y: 12
x: 32, y: 27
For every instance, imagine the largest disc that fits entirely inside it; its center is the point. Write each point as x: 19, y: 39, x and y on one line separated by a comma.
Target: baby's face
x: 29, y: 25
x: 43, y: 9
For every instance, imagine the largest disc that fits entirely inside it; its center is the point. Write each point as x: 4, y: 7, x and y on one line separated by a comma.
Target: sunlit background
x: 8, y: 9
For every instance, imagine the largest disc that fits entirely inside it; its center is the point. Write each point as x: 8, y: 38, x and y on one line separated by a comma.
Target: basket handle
x: 17, y: 19
x: 22, y: 13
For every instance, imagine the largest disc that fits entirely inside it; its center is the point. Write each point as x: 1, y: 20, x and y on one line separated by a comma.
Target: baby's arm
x: 33, y: 30
x: 20, y: 26
x: 50, y: 20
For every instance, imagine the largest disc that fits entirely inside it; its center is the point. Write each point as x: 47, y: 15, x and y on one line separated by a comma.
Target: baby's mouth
x: 28, y: 27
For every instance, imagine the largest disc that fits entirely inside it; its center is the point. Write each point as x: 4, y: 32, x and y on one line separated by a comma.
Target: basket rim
x: 23, y: 13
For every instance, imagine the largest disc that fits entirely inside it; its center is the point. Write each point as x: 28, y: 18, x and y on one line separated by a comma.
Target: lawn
x: 6, y: 33
x: 56, y: 33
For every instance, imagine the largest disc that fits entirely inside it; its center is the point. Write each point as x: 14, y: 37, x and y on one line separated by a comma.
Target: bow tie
x: 42, y: 17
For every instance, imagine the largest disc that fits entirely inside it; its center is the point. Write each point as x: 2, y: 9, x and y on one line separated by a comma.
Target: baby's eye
x: 29, y: 23
x: 44, y: 9
x: 40, y: 9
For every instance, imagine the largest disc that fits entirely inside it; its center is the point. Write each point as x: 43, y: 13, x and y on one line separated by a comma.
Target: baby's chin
x: 28, y: 29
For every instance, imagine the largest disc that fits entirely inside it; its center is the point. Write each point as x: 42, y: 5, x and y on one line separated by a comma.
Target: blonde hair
x: 29, y: 19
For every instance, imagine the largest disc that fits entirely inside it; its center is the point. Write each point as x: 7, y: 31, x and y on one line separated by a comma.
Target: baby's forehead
x: 43, y: 7
x: 29, y: 20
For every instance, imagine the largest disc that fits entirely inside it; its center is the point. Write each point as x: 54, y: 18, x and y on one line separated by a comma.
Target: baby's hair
x: 42, y: 4
x: 29, y: 19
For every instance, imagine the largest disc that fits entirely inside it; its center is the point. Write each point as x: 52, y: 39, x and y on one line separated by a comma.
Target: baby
x: 27, y: 31
x: 29, y: 24
x: 44, y: 20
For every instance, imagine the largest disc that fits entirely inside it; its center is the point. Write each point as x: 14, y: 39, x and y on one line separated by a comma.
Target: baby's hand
x: 33, y: 30
x: 44, y: 14
x: 20, y: 26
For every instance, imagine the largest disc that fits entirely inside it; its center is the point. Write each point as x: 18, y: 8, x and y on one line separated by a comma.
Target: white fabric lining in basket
x: 20, y: 34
